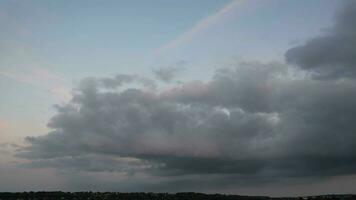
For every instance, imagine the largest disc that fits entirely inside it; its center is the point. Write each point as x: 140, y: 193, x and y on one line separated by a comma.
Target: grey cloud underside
x: 257, y: 121
x: 332, y: 55
x: 118, y: 81
x: 233, y: 124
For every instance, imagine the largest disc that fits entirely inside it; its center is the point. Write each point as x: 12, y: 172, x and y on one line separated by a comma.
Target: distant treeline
x: 147, y: 196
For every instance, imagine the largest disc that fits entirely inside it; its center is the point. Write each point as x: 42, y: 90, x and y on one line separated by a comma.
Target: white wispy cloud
x: 200, y: 26
x: 42, y: 79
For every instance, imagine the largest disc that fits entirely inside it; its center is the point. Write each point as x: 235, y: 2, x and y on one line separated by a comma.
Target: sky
x: 252, y: 97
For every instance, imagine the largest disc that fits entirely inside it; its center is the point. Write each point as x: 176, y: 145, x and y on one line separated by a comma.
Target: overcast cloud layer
x: 255, y: 121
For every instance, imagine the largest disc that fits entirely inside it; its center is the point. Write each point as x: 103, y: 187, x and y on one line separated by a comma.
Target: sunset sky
x: 254, y: 97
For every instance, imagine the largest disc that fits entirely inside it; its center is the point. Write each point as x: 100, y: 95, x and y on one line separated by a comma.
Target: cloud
x: 251, y: 120
x: 36, y: 77
x: 95, y: 163
x: 250, y: 124
x: 333, y: 54
x: 118, y: 80
x: 166, y: 74
x: 199, y: 27
x: 93, y: 84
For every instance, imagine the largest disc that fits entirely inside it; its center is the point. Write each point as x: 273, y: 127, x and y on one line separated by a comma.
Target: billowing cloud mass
x: 254, y: 121
x: 332, y: 55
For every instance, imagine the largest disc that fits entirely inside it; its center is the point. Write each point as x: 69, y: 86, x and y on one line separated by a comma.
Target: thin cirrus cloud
x: 199, y: 27
x: 42, y: 79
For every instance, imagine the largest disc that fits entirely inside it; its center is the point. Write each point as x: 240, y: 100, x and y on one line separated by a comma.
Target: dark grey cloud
x: 254, y: 121
x: 166, y: 74
x: 94, y: 163
x: 333, y: 54
x: 116, y: 82
x: 248, y: 86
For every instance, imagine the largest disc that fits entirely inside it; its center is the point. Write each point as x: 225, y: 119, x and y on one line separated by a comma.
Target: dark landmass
x: 149, y: 196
